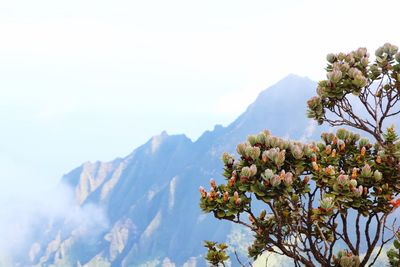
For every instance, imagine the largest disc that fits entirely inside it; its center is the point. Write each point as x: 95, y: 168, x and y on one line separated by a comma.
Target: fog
x: 26, y: 219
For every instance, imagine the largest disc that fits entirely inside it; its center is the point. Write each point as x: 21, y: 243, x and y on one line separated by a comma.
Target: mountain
x: 150, y: 198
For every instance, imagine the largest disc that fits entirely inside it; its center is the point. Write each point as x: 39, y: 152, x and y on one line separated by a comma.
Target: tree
x: 329, y: 203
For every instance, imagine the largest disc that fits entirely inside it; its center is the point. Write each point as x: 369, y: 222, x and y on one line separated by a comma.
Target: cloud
x: 239, y: 239
x: 26, y: 219
x: 234, y: 103
x: 309, y: 131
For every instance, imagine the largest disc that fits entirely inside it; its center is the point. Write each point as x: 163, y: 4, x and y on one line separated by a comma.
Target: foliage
x: 334, y: 195
x: 216, y: 253
x: 375, y: 85
x: 394, y: 253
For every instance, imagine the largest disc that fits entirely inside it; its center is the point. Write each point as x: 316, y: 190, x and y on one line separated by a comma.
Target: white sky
x: 87, y: 80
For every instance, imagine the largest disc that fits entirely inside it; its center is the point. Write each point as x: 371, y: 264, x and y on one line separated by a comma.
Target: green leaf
x: 243, y: 188
x: 220, y: 214
x: 396, y: 244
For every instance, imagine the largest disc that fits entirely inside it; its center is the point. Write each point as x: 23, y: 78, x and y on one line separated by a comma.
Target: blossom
x: 363, y: 150
x: 212, y: 183
x: 288, y: 179
x: 377, y: 175
x: 236, y: 198
x: 354, y: 173
x: 395, y: 203
x: 315, y: 166
x: 202, y: 192
x: 226, y: 195
x: 275, y: 181
x: 366, y: 170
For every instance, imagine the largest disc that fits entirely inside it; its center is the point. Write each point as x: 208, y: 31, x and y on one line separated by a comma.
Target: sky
x: 92, y: 80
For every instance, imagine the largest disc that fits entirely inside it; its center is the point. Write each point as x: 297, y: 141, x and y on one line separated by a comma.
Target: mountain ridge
x: 149, y: 195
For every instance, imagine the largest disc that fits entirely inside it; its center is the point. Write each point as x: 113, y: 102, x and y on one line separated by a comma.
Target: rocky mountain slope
x: 150, y: 198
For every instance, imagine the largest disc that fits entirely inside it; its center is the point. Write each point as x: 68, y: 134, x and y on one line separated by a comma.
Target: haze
x: 92, y: 80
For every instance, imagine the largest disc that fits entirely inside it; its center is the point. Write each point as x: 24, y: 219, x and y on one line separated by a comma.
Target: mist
x: 26, y: 220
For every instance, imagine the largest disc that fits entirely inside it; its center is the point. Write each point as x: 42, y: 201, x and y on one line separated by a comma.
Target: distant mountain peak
x: 157, y: 140
x: 150, y: 196
x: 292, y: 76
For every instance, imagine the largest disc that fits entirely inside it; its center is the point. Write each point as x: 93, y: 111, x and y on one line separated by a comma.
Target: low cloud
x: 26, y: 219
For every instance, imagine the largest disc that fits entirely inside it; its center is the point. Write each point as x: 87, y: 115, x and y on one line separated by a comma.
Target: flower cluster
x: 309, y: 192
x: 353, y: 73
x: 349, y: 171
x: 346, y: 259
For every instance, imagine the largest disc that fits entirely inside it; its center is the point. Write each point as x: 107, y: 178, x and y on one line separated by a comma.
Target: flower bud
x: 354, y: 173
x: 236, y: 197
x: 313, y: 157
x: 360, y: 81
x: 378, y: 190
x: 361, y: 52
x: 334, y: 76
x: 331, y: 58
x: 358, y: 191
x: 364, y: 61
x: 262, y: 214
x: 288, y: 180
x: 307, y: 150
x: 328, y: 149
x: 226, y: 196
x: 212, y: 183
x: 347, y: 261
x: 211, y: 194
x: 327, y: 203
x: 253, y: 152
x: 227, y: 159
x: 268, y: 174
x: 379, y: 52
x: 264, y: 156
x: 350, y: 59
x: 280, y: 158
x: 232, y: 181
x: 330, y: 170
x: 377, y: 175
x: 253, y: 170
x: 202, y: 192
x: 327, y: 137
x: 274, y: 141
x: 241, y: 149
x: 342, y: 179
x: 355, y: 137
x: 366, y: 171
x: 275, y: 181
x: 363, y: 150
x: 342, y: 134
x: 314, y: 148
x: 245, y: 172
x: 252, y: 139
x: 364, y: 142
x: 261, y: 138
x: 395, y: 203
x: 353, y: 183
x: 315, y: 166
x: 341, y: 56
x: 341, y: 145
x: 248, y: 150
